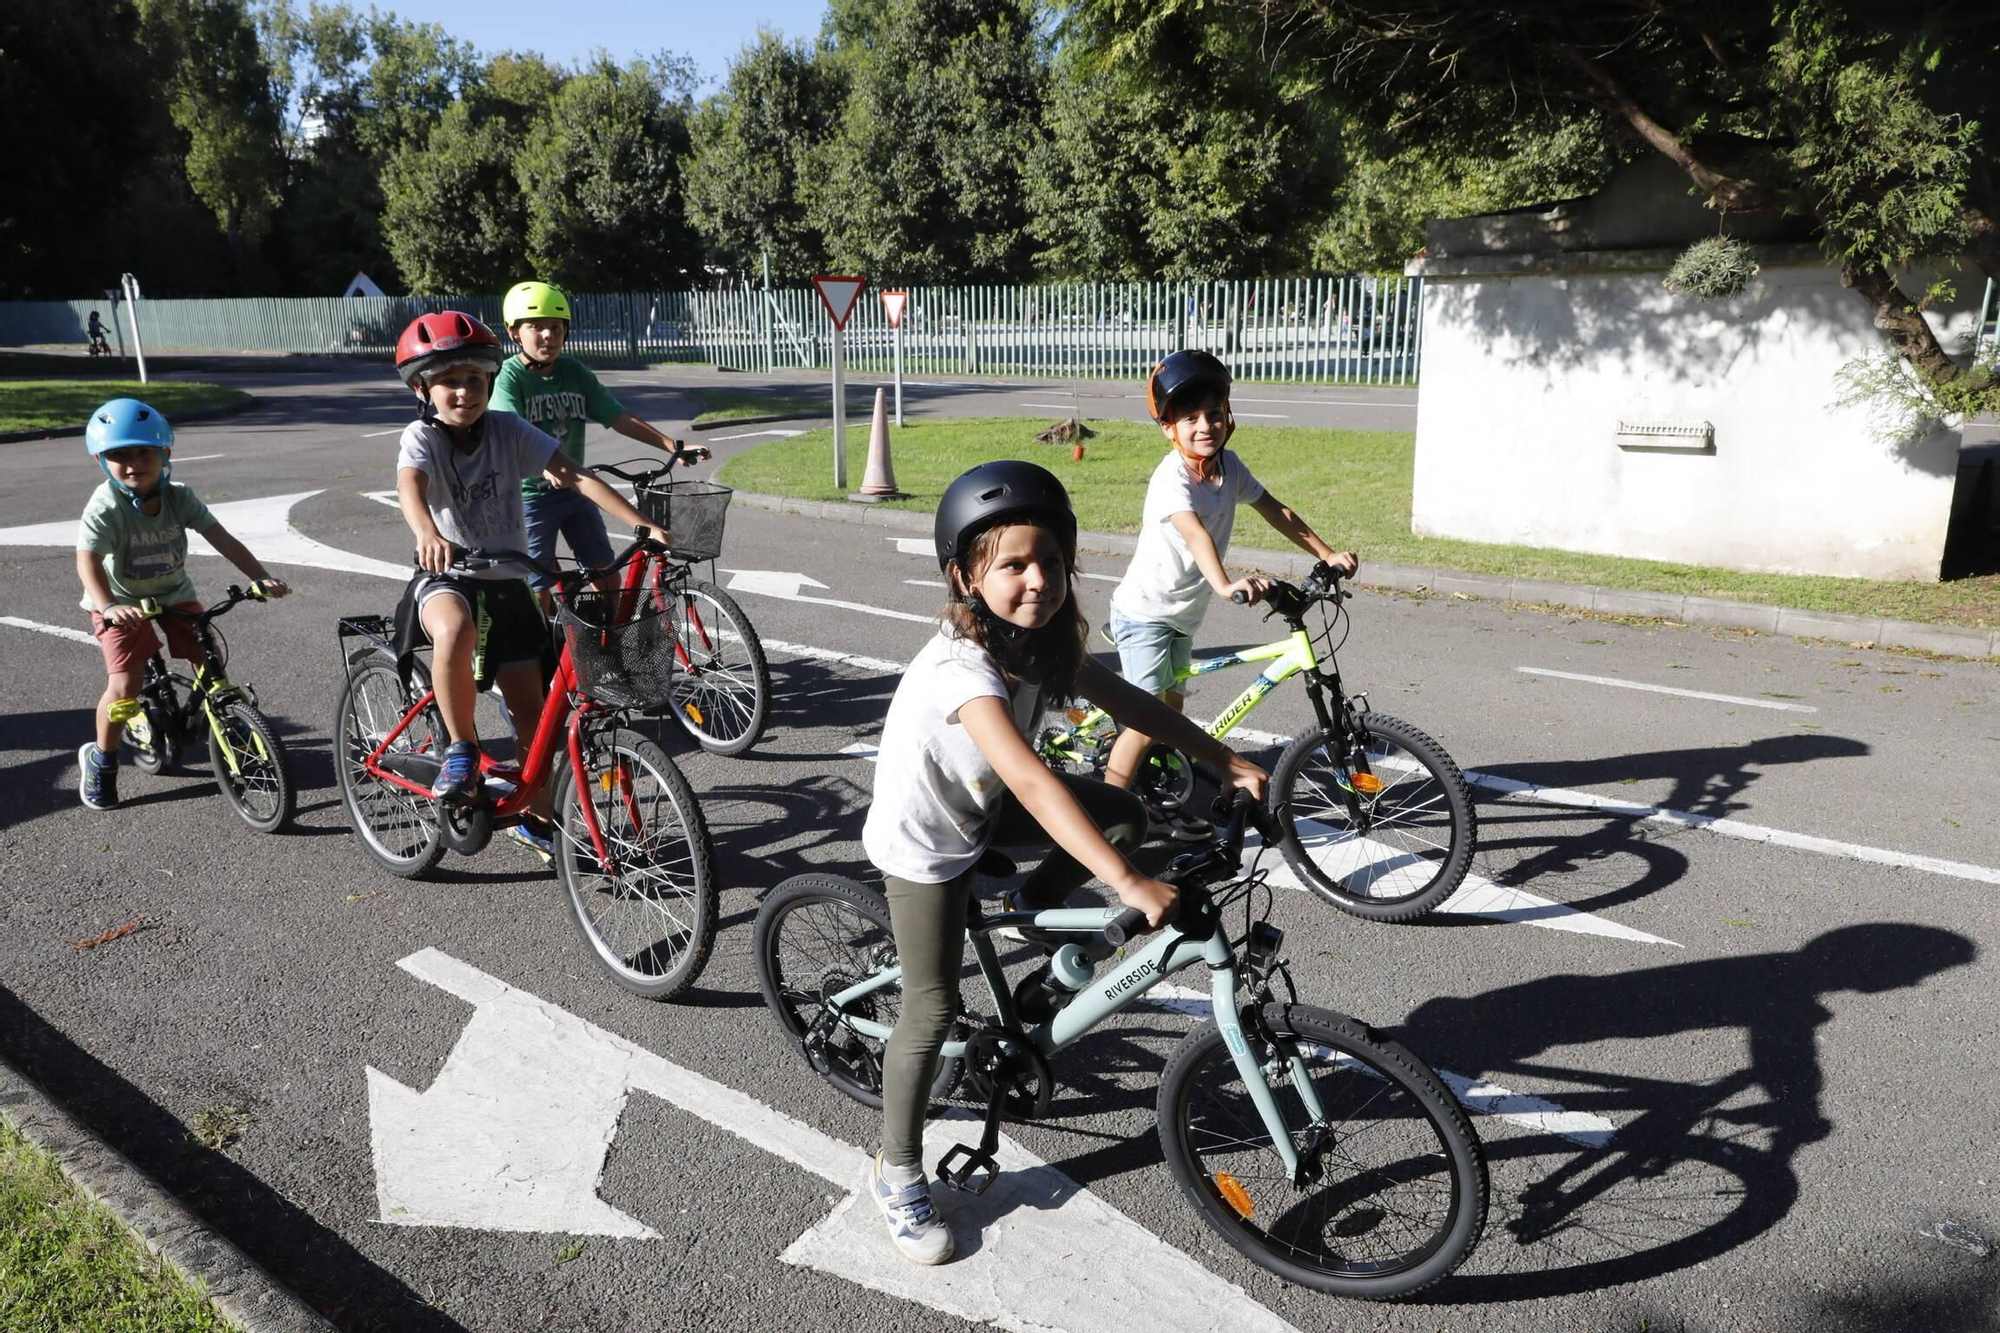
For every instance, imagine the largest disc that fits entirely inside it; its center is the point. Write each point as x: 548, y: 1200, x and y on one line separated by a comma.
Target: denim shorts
x: 572, y: 516
x: 1151, y: 655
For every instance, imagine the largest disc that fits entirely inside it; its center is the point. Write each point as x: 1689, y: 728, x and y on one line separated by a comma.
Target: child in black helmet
x: 957, y: 773
x: 1183, y: 536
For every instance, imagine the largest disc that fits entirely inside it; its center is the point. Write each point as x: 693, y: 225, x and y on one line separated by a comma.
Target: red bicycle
x: 631, y: 847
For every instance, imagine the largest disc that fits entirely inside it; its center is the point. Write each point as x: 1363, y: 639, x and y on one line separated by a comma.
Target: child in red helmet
x: 459, y: 470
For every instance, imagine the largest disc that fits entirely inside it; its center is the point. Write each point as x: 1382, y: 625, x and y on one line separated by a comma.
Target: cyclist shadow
x: 45, y: 779
x: 1676, y: 1173
x: 1709, y: 781
x: 1602, y: 862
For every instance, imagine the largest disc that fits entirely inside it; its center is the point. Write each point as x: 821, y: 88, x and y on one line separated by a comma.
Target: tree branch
x: 1729, y: 193
x: 1900, y: 321
x: 1983, y: 239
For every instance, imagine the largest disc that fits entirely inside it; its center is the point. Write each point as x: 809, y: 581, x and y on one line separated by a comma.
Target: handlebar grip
x: 1124, y: 926
x: 1240, y: 597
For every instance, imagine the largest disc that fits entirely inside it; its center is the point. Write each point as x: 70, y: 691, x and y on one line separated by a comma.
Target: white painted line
x: 375, y: 434
x: 196, y: 458
x: 1778, y: 704
x: 772, y: 583
x: 383, y: 497
x: 1319, y: 402
x: 914, y: 546
x: 60, y: 631
x: 1103, y: 578
x: 753, y: 434
x: 1266, y: 416
x: 861, y: 750
x: 1509, y: 788
x: 512, y: 1136
x: 925, y: 583
x: 828, y: 655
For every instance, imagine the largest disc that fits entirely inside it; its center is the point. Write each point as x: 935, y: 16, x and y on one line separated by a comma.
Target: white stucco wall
x: 1527, y: 376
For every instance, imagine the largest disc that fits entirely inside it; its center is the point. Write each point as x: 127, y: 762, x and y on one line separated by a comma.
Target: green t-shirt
x: 144, y: 555
x: 557, y: 403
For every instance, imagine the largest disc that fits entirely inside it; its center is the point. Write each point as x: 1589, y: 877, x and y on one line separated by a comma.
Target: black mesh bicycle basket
x: 693, y: 511
x: 620, y: 661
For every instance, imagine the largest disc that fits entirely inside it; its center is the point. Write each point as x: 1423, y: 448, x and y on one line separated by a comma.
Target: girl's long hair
x: 1049, y: 656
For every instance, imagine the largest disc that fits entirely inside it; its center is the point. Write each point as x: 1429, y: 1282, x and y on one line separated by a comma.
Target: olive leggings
x: 930, y: 941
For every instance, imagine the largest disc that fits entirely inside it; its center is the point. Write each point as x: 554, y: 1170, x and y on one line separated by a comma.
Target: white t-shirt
x: 475, y: 498
x: 936, y: 796
x: 1163, y: 584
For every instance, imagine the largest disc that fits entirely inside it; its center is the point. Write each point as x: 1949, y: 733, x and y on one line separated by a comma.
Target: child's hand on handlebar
x: 1347, y: 564
x: 270, y: 587
x: 690, y: 454
x: 1154, y: 897
x: 122, y: 613
x: 1240, y: 772
x: 1251, y: 590
x: 434, y: 554
x: 553, y: 481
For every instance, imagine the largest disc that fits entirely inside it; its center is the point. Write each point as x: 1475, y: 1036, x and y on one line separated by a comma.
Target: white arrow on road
x: 512, y: 1136
x: 264, y: 526
x: 773, y: 583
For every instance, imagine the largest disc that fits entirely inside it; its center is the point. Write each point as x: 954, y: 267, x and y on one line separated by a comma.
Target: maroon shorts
x: 126, y: 647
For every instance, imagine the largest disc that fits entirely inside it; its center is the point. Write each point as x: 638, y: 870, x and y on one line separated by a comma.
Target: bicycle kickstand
x: 960, y: 1177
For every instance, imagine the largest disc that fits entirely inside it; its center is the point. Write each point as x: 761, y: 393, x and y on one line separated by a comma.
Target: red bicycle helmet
x: 446, y: 338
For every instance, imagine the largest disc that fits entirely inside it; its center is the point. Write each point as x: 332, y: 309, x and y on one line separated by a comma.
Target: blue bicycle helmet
x: 127, y: 423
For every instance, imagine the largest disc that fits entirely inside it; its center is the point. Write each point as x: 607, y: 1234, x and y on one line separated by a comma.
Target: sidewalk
x: 1872, y: 631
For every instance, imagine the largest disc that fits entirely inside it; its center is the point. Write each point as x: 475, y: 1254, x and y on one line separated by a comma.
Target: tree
x: 454, y: 216
x: 601, y: 173
x: 1188, y: 156
x: 752, y: 150
x: 1868, y: 120
x: 922, y: 181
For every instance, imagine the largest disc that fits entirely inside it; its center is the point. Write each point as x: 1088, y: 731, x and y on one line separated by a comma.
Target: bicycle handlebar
x: 153, y: 609
x: 646, y: 469
x: 481, y: 558
x: 1322, y: 584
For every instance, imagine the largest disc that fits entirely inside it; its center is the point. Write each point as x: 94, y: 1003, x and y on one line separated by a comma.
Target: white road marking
x: 196, y: 458
x: 60, y: 631
x: 753, y: 434
x: 383, y: 497
x: 1320, y: 402
x: 914, y: 546
x: 925, y: 583
x: 1778, y: 704
x: 375, y: 434
x: 1267, y: 416
x: 828, y: 655
x: 772, y: 583
x: 512, y: 1136
x: 1054, y: 407
x: 1510, y: 788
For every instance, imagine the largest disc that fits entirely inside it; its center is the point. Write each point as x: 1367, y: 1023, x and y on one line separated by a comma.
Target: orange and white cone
x: 879, y: 481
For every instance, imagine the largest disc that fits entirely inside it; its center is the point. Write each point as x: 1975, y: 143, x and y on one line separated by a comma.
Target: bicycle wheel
x: 722, y: 693
x: 398, y: 827
x: 1395, y: 1190
x: 1406, y: 850
x: 258, y: 785
x: 650, y: 919
x: 816, y: 935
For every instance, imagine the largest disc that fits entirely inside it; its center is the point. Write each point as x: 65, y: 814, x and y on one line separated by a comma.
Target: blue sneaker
x: 98, y: 781
x: 542, y: 845
x: 914, y: 1224
x: 458, y: 776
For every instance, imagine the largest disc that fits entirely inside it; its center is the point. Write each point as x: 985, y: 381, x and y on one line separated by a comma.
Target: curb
x: 69, y: 432
x: 241, y: 1291
x: 1876, y: 631
x: 747, y: 421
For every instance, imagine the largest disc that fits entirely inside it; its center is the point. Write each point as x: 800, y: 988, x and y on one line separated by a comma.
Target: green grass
x: 1353, y: 486
x: 53, y: 404
x: 732, y: 404
x: 67, y: 1264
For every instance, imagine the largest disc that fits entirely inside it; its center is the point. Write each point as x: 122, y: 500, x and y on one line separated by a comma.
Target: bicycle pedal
x: 960, y: 1178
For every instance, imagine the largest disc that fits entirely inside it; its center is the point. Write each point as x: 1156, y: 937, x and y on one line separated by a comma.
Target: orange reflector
x: 611, y: 775
x: 604, y: 780
x: 1075, y: 715
x: 1233, y: 1194
x: 1367, y: 784
x: 694, y: 713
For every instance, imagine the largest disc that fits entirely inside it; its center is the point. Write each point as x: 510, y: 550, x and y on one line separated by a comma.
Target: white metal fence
x: 1365, y: 330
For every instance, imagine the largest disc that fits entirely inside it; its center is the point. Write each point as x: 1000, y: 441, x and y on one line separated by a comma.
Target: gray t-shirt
x: 475, y: 497
x: 144, y: 555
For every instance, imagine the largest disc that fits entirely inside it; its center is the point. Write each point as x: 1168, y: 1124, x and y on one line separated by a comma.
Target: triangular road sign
x: 892, y: 306
x: 839, y: 295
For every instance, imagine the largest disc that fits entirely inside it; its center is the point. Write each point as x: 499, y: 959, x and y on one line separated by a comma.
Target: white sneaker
x: 914, y: 1223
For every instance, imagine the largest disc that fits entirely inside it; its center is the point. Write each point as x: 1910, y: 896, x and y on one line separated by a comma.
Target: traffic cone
x: 879, y: 481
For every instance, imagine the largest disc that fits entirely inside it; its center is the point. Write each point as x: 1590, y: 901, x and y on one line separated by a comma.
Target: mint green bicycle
x: 1374, y: 815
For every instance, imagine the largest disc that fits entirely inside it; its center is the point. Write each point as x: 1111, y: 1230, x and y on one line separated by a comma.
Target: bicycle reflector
x: 1363, y: 784
x: 1260, y: 950
x: 694, y: 713
x: 1233, y: 1194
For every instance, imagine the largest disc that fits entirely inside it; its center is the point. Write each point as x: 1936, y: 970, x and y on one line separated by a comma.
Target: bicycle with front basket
x: 721, y: 693
x: 1372, y: 814
x: 1322, y: 1152
x: 631, y: 847
x: 175, y: 711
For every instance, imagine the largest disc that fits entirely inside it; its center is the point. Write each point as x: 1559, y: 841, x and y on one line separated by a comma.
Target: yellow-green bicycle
x: 1375, y: 815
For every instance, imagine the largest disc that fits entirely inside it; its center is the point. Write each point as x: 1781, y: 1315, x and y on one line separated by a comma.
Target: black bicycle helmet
x: 996, y: 492
x: 1178, y: 375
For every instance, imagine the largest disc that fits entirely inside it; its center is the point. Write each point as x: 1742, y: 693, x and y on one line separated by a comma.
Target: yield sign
x: 838, y: 295
x: 892, y: 306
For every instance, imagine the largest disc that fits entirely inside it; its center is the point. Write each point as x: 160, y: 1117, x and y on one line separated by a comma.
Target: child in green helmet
x: 557, y: 394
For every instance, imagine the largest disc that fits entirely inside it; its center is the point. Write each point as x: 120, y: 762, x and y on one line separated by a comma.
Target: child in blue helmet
x: 130, y: 546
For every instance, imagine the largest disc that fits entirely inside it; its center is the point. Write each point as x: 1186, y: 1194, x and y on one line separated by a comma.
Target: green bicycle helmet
x: 533, y: 300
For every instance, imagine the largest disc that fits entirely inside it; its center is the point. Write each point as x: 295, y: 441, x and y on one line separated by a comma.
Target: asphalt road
x: 1791, y: 1045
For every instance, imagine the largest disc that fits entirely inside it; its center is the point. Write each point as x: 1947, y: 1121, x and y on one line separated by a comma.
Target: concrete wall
x: 1532, y: 361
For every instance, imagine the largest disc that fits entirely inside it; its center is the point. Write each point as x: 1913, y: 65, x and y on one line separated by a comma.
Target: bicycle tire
x: 1421, y: 828
x: 399, y: 828
x: 819, y: 931
x: 650, y: 924
x: 1402, y: 1196
x: 722, y: 696
x: 259, y: 788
